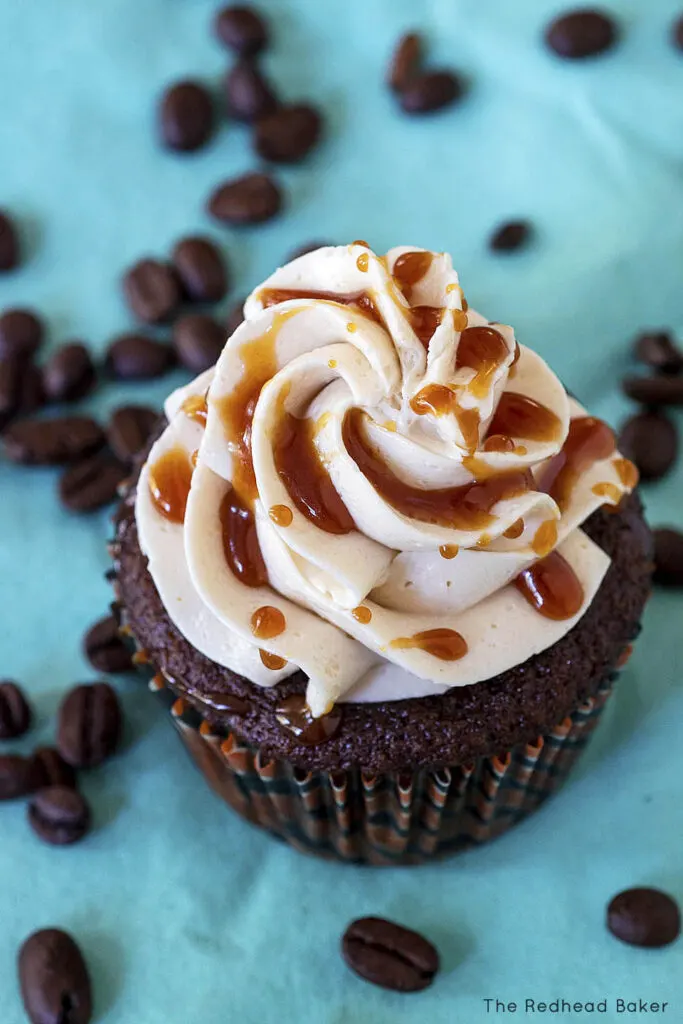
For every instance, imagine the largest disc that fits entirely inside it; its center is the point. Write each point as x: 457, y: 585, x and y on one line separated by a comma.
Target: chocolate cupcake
x: 384, y: 567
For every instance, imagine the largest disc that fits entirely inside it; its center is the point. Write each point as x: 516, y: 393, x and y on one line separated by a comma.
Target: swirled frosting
x: 376, y: 485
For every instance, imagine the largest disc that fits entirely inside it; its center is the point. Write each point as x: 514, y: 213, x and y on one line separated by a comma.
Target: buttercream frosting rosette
x: 376, y: 485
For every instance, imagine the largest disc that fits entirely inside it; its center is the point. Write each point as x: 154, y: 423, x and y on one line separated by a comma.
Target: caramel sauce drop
x: 359, y: 241
x: 267, y: 622
x: 361, y: 300
x: 499, y: 443
x: 442, y: 643
x: 362, y: 614
x: 440, y: 400
x: 170, y: 479
x: 514, y: 531
x: 409, y: 269
x: 448, y: 550
x: 460, y: 320
x: 195, y: 408
x: 294, y: 714
x: 608, y: 490
x: 552, y: 587
x: 351, y: 327
x: 363, y: 263
x: 306, y: 479
x: 483, y: 350
x: 240, y: 541
x: 466, y: 508
x: 588, y: 441
x: 272, y: 661
x: 545, y: 538
x: 628, y: 473
x: 519, y: 416
x: 424, y: 321
x: 281, y: 515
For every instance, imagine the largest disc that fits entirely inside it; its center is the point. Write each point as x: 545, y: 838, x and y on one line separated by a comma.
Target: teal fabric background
x: 189, y: 916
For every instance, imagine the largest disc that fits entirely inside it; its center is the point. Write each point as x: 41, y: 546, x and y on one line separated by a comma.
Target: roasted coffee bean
x: 200, y: 267
x: 654, y: 391
x: 69, y: 373
x: 650, y: 440
x: 15, y: 711
x: 659, y: 350
x: 581, y: 33
x: 389, y: 955
x: 644, y: 917
x: 21, y: 333
x: 198, y: 341
x: 92, y: 483
x: 508, y: 237
x: 89, y: 725
x: 31, y: 389
x: 405, y: 62
x: 21, y: 389
x: 186, y: 116
x: 152, y: 290
x: 52, y: 441
x: 130, y: 428
x: 54, y: 979
x: 677, y: 33
x: 59, y: 815
x: 18, y: 776
x: 430, y: 91
x: 235, y: 317
x: 9, y: 243
x: 304, y: 249
x: 51, y: 769
x: 242, y: 29
x: 289, y: 134
x: 136, y: 357
x: 248, y: 93
x: 104, y: 648
x: 251, y: 199
x: 668, y: 557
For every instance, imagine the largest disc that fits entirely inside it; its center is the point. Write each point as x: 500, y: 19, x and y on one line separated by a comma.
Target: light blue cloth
x: 188, y: 915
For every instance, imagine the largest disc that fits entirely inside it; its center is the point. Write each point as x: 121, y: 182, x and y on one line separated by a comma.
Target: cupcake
x: 381, y: 563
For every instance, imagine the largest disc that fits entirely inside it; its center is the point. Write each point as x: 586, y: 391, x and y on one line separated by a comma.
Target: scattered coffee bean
x: 650, y: 440
x: 136, y: 357
x: 69, y: 373
x: 644, y: 917
x: 248, y: 93
x: 200, y: 267
x: 431, y: 91
x: 89, y: 725
x: 21, y: 334
x: 654, y: 391
x: 104, y: 648
x: 54, y: 980
x: 198, y: 341
x: 659, y: 350
x: 289, y: 134
x: 52, y: 441
x: 389, y: 955
x: 152, y: 291
x: 18, y: 776
x: 405, y: 62
x: 677, y: 33
x: 235, y: 317
x: 508, y: 237
x: 130, y: 428
x: 9, y: 243
x: 304, y: 249
x: 92, y: 483
x: 15, y: 711
x: 242, y: 29
x: 32, y: 391
x: 581, y: 33
x: 21, y: 389
x: 186, y: 117
x: 59, y: 815
x: 668, y: 557
x: 251, y: 199
x: 52, y: 770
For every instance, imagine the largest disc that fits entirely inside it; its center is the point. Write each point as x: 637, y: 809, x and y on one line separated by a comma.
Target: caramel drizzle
x: 196, y: 408
x: 272, y: 661
x: 294, y: 715
x: 240, y: 541
x: 409, y: 269
x: 441, y: 400
x: 442, y: 643
x: 552, y: 587
x: 360, y: 300
x: 589, y: 440
x: 483, y: 350
x: 521, y: 417
x: 170, y: 479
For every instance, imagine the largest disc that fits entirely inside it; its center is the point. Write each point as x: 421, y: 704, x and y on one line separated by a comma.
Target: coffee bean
x: 288, y: 134
x: 59, y: 815
x: 52, y: 441
x: 654, y: 391
x: 659, y: 350
x: 677, y: 33
x: 200, y: 268
x: 51, y: 769
x: 644, y: 917
x: 21, y: 333
x: 508, y: 237
x: 54, y: 979
x: 581, y: 33
x: 89, y: 726
x: 248, y: 93
x: 251, y: 199
x: 304, y: 249
x: 18, y: 776
x: 405, y: 62
x: 104, y: 648
x: 430, y: 91
x: 650, y: 440
x: 198, y: 341
x: 235, y: 317
x: 9, y: 243
x: 152, y: 291
x: 242, y: 29
x: 69, y: 373
x: 389, y: 955
x: 15, y: 711
x: 21, y: 389
x: 668, y: 557
x: 186, y: 117
x: 136, y: 357
x: 130, y: 428
x: 92, y: 483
